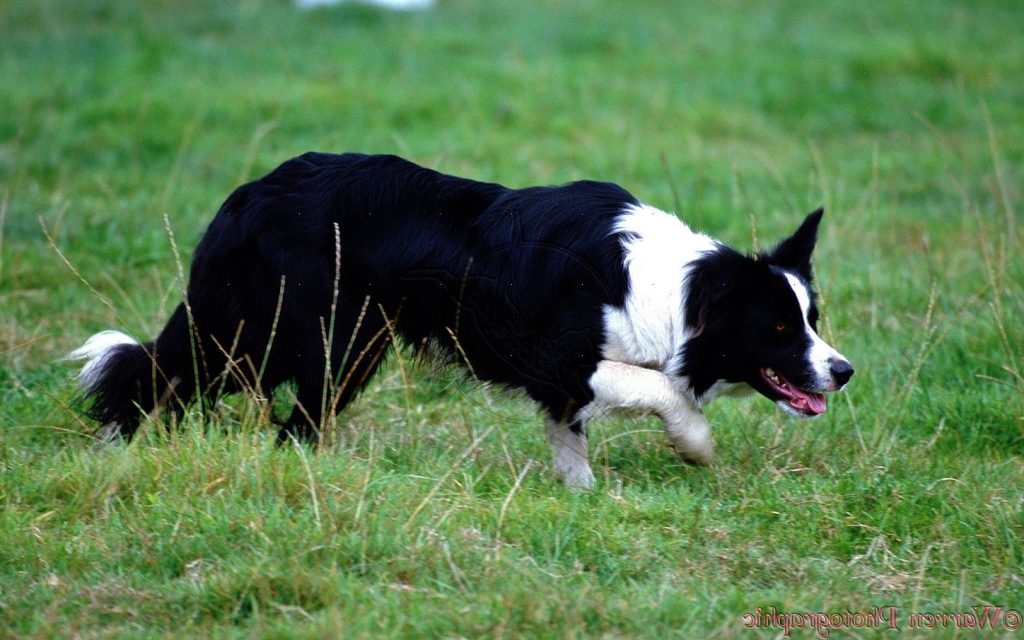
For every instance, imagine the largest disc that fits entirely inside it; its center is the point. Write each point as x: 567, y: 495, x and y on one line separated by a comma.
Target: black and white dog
x: 581, y: 295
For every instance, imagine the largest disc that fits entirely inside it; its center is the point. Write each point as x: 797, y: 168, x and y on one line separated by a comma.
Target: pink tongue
x: 812, y: 402
x: 817, y: 403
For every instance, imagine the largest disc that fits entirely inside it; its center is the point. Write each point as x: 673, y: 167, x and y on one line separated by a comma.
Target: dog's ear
x: 795, y: 251
x: 710, y: 283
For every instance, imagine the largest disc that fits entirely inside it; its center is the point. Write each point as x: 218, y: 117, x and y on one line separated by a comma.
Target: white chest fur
x: 649, y: 329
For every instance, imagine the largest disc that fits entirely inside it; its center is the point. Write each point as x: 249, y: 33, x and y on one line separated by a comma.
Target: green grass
x: 905, y: 119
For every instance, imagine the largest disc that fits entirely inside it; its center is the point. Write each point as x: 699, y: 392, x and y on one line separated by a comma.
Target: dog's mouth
x: 808, y: 403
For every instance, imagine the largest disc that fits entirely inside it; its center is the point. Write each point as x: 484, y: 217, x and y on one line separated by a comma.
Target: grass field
x: 434, y: 511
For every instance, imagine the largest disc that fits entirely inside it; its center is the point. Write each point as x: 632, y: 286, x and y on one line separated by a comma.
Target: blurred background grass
x: 905, y: 119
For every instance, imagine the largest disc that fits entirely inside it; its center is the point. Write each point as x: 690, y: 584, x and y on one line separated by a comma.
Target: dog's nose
x: 841, y: 371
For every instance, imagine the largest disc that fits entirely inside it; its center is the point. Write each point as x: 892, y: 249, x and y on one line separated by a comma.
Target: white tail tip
x: 95, y: 352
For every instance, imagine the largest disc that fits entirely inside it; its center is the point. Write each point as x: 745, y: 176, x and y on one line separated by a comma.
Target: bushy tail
x: 124, y: 380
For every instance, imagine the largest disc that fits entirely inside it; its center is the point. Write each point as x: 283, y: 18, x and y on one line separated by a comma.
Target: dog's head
x: 754, y: 321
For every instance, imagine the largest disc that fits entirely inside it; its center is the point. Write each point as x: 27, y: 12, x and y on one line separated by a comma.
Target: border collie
x: 581, y: 295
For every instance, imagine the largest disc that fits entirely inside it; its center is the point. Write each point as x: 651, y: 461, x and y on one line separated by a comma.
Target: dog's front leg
x: 626, y: 386
x: 569, y: 447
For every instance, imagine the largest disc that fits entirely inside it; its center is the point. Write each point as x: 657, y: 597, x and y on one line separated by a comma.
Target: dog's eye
x: 780, y: 328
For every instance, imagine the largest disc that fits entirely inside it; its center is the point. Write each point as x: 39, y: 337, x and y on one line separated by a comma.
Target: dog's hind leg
x: 568, y: 442
x: 623, y: 386
x: 356, y: 353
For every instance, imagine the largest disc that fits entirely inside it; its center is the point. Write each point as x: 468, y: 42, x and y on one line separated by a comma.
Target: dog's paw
x: 702, y: 456
x: 577, y: 478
